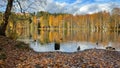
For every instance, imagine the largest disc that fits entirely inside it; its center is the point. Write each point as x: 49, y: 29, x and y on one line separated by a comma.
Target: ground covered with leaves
x: 14, y: 54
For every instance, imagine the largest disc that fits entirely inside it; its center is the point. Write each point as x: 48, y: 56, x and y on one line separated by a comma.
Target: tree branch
x: 20, y: 6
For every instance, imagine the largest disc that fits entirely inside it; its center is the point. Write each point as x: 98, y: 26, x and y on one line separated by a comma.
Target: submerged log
x: 57, y: 46
x: 110, y: 48
x: 78, y: 48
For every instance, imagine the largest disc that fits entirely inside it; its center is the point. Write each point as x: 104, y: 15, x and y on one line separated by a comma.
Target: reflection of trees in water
x: 38, y: 32
x: 72, y: 35
x: 79, y: 36
x: 118, y: 32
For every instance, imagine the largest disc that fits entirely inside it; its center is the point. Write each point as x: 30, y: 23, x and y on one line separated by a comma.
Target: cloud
x: 93, y: 8
x: 82, y: 6
x: 56, y: 7
x: 68, y: 6
x: 90, y: 6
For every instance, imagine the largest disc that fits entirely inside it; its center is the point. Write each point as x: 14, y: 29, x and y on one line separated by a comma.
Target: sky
x: 68, y: 6
x: 85, y: 6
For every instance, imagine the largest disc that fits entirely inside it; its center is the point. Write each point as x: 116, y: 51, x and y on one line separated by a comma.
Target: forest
x: 97, y: 22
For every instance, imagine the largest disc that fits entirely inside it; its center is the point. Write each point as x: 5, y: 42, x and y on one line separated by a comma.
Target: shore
x: 14, y: 54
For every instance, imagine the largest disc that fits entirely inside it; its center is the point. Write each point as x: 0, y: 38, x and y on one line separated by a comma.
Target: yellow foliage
x: 55, y: 22
x: 10, y: 25
x: 50, y: 20
x: 35, y: 36
x: 42, y: 36
x: 18, y: 28
x: 51, y: 36
x: 42, y: 21
x: 60, y: 17
x: 34, y: 20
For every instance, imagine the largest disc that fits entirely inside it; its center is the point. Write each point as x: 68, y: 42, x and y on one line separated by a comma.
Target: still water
x: 69, y: 40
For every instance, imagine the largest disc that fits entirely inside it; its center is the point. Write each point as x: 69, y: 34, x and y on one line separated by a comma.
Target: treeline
x: 44, y: 20
x: 97, y: 21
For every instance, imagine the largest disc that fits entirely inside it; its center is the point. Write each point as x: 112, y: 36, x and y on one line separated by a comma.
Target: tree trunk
x: 6, y: 17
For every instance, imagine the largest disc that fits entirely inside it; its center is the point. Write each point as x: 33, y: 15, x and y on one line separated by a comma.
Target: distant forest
x: 97, y: 21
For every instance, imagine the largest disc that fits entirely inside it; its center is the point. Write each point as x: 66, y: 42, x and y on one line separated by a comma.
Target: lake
x: 48, y: 40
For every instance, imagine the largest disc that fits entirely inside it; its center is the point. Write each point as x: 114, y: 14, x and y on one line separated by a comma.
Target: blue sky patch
x: 67, y: 1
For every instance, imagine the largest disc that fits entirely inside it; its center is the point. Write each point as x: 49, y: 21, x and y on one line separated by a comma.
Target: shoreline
x: 14, y: 54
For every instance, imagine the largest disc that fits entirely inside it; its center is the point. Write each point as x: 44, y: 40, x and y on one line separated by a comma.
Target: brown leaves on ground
x: 27, y: 58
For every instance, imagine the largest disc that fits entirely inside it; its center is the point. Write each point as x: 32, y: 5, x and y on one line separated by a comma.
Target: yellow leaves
x: 55, y: 36
x: 55, y: 20
x: 51, y: 36
x: 41, y: 19
x: 10, y: 25
x: 60, y: 17
x: 34, y: 20
x: 42, y: 36
x: 35, y: 36
x: 51, y: 20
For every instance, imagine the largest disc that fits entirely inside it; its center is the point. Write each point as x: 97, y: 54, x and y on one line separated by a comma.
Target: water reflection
x: 70, y: 40
x: 64, y: 47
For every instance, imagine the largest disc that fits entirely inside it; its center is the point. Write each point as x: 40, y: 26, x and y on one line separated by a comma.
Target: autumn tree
x: 24, y: 8
x: 6, y: 17
x: 116, y: 16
